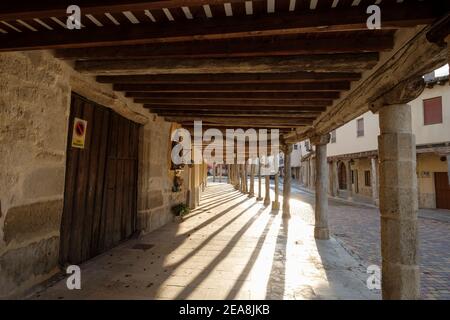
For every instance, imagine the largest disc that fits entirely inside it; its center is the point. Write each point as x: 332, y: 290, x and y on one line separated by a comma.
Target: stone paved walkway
x: 357, y: 227
x: 231, y: 247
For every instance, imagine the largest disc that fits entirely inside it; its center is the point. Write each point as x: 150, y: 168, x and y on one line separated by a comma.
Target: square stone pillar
x: 321, y: 230
x: 312, y: 171
x: 398, y: 204
x: 259, y: 198
x: 335, y: 179
x: 251, y: 193
x: 192, y: 188
x: 374, y: 179
x: 245, y: 189
x: 287, y: 150
x: 348, y: 171
x: 238, y: 177
x: 267, y: 187
x: 276, y: 201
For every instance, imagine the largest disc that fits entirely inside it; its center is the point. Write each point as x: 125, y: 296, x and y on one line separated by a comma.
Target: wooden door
x: 442, y: 190
x: 94, y: 181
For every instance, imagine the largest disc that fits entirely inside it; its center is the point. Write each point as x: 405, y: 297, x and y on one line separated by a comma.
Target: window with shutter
x: 360, y: 127
x: 432, y: 111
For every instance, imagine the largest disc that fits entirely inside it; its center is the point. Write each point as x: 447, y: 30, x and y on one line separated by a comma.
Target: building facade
x: 353, y: 157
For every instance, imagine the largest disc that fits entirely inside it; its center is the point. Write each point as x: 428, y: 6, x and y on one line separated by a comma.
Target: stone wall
x: 155, y: 197
x: 34, y: 108
x: 35, y: 90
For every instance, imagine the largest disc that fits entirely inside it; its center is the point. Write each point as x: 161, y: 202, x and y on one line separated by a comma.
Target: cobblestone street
x: 357, y: 228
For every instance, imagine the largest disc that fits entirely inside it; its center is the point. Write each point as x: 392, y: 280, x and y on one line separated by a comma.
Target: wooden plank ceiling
x: 230, y: 63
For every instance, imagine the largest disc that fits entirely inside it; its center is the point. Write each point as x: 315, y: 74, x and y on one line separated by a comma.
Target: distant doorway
x: 442, y: 190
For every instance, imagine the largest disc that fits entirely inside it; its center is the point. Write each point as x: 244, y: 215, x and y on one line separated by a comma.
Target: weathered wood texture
x: 335, y: 19
x: 206, y: 78
x: 318, y: 63
x: 101, y: 182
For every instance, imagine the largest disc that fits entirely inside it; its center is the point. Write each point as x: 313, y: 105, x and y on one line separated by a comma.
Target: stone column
x: 237, y: 186
x: 313, y: 173
x: 228, y: 174
x: 374, y: 180
x: 321, y: 230
x: 276, y: 202
x: 335, y: 185
x: 243, y: 178
x: 348, y: 171
x: 259, y: 198
x: 251, y: 193
x: 233, y: 173
x: 267, y: 187
x: 308, y: 172
x: 398, y: 204
x: 202, y: 176
x: 214, y: 172
x: 287, y: 150
x: 192, y: 187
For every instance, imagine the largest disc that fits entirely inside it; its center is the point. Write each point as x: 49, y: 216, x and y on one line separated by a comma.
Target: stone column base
x: 275, y: 205
x: 251, y: 195
x: 400, y: 282
x: 286, y: 214
x: 259, y: 199
x: 321, y: 233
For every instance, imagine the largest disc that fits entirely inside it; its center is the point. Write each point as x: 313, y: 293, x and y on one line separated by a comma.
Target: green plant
x: 181, y: 209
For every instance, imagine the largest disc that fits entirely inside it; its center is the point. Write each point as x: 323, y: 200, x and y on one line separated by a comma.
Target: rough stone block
x: 399, y: 241
x: 155, y: 199
x: 398, y: 203
x: 400, y: 281
x: 397, y: 146
x: 44, y: 182
x: 26, y: 222
x: 20, y: 266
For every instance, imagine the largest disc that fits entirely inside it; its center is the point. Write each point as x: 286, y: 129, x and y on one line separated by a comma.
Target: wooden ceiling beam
x: 247, y: 115
x: 341, y: 62
x: 223, y: 128
x: 244, y: 120
x: 205, y: 103
x: 298, y: 96
x: 408, y: 14
x: 286, y: 77
x: 227, y: 49
x: 281, y: 127
x: 249, y: 87
x: 12, y: 10
x: 236, y: 109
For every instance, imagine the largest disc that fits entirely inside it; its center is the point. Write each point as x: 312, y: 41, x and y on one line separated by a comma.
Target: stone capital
x: 318, y: 140
x: 402, y: 93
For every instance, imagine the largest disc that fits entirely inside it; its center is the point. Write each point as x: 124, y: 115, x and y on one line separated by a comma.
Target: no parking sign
x: 79, y: 133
